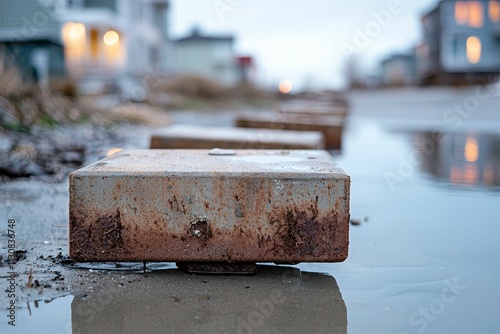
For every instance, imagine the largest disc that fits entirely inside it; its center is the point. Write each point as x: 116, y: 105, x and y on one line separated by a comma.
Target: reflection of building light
x: 471, y: 149
x: 111, y: 38
x: 461, y: 12
x: 476, y: 16
x: 455, y: 174
x: 488, y: 174
x: 494, y: 9
x: 473, y: 49
x: 113, y: 151
x: 470, y: 174
x: 285, y: 86
x: 73, y: 32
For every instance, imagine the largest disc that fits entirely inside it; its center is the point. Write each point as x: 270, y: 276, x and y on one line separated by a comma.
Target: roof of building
x: 196, y: 36
x: 398, y: 57
x: 10, y: 37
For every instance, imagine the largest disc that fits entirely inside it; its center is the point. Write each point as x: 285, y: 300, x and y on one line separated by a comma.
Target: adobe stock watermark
x: 426, y: 315
x: 222, y: 7
x: 372, y: 29
x: 453, y: 119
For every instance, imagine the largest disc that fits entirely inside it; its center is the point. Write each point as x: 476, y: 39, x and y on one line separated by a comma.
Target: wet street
x: 423, y: 256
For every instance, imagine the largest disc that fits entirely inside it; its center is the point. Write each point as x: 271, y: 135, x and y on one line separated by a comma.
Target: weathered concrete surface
x: 330, y: 126
x: 276, y: 300
x: 189, y: 206
x: 181, y: 136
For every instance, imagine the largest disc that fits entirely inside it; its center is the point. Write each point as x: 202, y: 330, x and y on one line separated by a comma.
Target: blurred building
x: 246, y: 69
x: 399, y: 70
x: 30, y: 38
x: 461, y: 41
x: 462, y: 159
x: 102, y: 39
x: 208, y: 56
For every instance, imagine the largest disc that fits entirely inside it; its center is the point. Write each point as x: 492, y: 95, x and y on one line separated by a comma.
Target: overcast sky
x: 303, y: 41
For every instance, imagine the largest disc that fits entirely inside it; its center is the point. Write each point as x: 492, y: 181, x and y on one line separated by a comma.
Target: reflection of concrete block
x: 330, y: 126
x: 276, y: 300
x: 205, y: 137
x: 189, y: 206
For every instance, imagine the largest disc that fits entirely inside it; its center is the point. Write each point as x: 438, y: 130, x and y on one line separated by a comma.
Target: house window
x: 494, y: 10
x: 473, y: 51
x: 461, y: 12
x: 470, y: 13
x: 476, y: 14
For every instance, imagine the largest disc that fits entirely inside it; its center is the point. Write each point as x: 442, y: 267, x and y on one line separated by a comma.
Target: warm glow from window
x: 285, y: 86
x: 494, y: 9
x: 476, y: 14
x: 111, y: 38
x: 73, y: 32
x: 461, y: 12
x: 471, y: 13
x: 473, y: 49
x: 471, y: 149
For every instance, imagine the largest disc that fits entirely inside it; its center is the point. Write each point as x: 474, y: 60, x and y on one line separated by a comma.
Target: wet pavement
x: 425, y: 171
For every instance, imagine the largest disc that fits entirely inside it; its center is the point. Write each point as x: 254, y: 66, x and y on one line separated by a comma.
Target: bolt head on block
x: 192, y: 206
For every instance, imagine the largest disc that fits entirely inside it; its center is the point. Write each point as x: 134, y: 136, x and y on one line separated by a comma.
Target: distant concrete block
x: 330, y: 126
x: 317, y: 109
x: 205, y: 137
x: 210, y: 206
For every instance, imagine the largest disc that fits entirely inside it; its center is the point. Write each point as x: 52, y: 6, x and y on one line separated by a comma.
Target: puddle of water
x: 424, y: 262
x: 171, y: 301
x: 132, y: 267
x: 48, y: 317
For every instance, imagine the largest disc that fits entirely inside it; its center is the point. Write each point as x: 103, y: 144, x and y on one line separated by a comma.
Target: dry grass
x: 25, y: 105
x: 193, y: 86
x: 196, y: 92
x: 140, y: 113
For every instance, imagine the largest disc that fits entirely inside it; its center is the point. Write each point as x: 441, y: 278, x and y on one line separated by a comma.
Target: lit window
x: 73, y: 32
x: 494, y: 9
x: 473, y: 49
x: 472, y: 13
x: 476, y: 14
x: 461, y: 12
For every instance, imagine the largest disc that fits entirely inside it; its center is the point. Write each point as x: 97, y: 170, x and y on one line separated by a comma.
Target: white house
x: 109, y: 37
x: 212, y: 57
x: 101, y: 39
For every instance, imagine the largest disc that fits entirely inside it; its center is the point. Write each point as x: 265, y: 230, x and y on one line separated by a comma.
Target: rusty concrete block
x: 210, y: 206
x: 330, y: 126
x: 181, y: 136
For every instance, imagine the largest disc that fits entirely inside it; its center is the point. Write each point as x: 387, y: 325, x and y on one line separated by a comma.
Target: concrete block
x: 314, y: 109
x: 204, y: 137
x: 330, y: 126
x: 210, y: 206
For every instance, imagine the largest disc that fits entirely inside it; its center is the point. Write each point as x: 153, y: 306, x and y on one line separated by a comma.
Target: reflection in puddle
x: 277, y: 299
x: 135, y: 267
x: 461, y: 159
x: 41, y: 316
